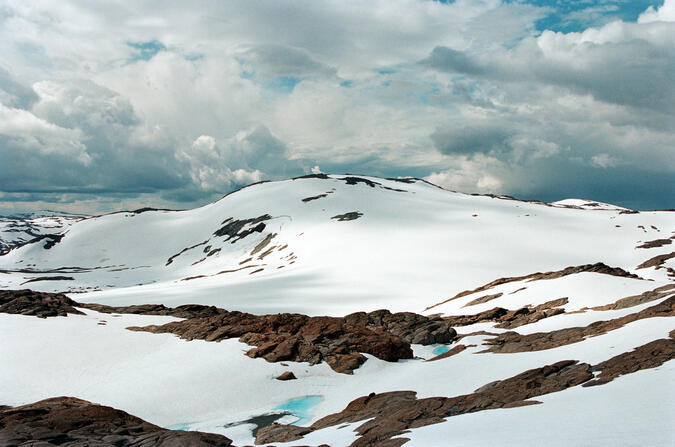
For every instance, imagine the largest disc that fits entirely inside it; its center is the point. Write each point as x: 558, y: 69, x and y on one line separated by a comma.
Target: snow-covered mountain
x: 523, y: 283
x: 19, y: 229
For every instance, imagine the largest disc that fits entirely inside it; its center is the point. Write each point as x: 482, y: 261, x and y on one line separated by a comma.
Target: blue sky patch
x: 577, y: 15
x: 146, y: 50
x: 283, y: 84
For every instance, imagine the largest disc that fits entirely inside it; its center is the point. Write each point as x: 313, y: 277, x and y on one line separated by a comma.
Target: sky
x: 120, y: 105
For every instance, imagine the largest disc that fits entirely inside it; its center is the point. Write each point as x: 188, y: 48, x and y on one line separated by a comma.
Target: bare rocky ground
x: 510, y: 342
x: 339, y: 342
x: 598, y: 267
x: 392, y: 414
x: 68, y: 421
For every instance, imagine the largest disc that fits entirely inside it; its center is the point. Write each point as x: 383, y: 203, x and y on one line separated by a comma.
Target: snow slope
x: 18, y: 229
x: 414, y: 247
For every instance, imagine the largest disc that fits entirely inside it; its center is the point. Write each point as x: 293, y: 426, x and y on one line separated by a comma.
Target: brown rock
x: 630, y: 301
x: 39, y: 304
x: 288, y: 375
x: 598, y: 267
x: 294, y: 337
x: 656, y: 261
x: 483, y: 299
x: 76, y: 422
x: 647, y: 356
x: 656, y: 243
x: 510, y: 342
x: 509, y: 319
x: 393, y: 413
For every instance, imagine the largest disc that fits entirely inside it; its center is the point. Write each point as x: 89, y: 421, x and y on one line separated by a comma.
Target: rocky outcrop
x: 294, y: 337
x: 510, y: 342
x: 288, y: 375
x: 235, y: 230
x: 49, y: 278
x: 651, y: 355
x: 410, y: 327
x: 656, y: 243
x: 483, y: 299
x: 509, y: 319
x: 352, y: 215
x: 39, y: 304
x: 393, y: 413
x: 656, y: 261
x: 75, y: 422
x: 598, y: 267
x: 635, y: 300
x: 339, y: 341
x: 184, y: 311
x: 317, y: 197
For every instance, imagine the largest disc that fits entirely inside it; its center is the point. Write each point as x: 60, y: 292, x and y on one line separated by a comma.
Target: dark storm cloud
x: 469, y: 139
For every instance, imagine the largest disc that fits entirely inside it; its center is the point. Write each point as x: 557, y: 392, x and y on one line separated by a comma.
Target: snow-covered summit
x: 588, y: 205
x: 327, y: 244
x: 545, y: 299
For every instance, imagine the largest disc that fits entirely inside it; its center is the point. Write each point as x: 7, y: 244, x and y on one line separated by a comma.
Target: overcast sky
x: 117, y: 105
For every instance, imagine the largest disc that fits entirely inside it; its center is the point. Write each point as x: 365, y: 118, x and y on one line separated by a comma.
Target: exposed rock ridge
x: 76, y: 422
x: 510, y: 342
x: 410, y: 327
x: 239, y: 229
x: 294, y: 337
x: 39, y: 304
x: 394, y: 413
x: 656, y: 243
x: 509, y: 319
x: 598, y: 267
x: 656, y: 261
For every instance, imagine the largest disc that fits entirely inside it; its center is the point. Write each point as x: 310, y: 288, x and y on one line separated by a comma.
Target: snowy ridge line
x: 403, y: 239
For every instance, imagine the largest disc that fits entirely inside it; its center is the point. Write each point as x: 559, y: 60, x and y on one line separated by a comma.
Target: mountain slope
x: 545, y: 300
x: 279, y: 247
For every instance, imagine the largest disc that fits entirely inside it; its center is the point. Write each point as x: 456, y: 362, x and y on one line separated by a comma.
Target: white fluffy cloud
x: 179, y: 103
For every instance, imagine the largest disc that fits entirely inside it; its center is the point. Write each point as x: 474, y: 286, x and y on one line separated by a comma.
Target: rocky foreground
x: 339, y: 341
x: 68, y: 421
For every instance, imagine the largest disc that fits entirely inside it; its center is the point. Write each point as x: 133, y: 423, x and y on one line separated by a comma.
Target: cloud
x: 664, y: 13
x: 124, y: 102
x: 270, y: 61
x: 625, y: 64
x: 471, y: 139
x: 13, y: 93
x: 244, y: 159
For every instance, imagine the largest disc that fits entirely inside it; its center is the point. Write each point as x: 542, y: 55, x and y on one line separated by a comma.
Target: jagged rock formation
x: 510, y: 342
x: 647, y: 356
x: 598, y: 267
x: 656, y: 261
x: 635, y: 300
x: 393, y: 413
x: 39, y: 304
x: 337, y: 341
x: 352, y: 215
x: 509, y: 319
x: 410, y: 327
x: 76, y: 422
x: 294, y: 337
x: 656, y: 243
